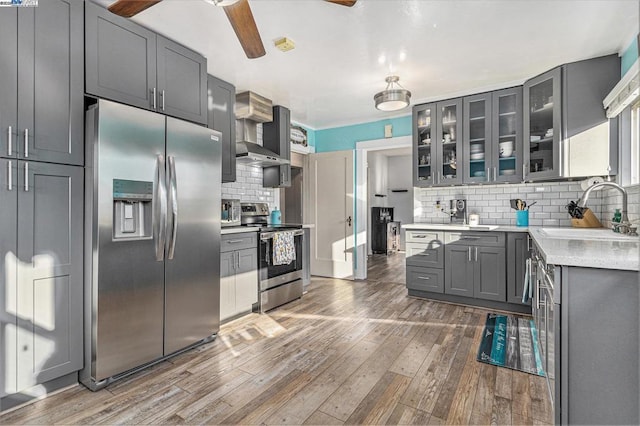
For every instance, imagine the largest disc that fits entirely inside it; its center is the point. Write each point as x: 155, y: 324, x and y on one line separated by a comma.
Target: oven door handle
x: 269, y: 235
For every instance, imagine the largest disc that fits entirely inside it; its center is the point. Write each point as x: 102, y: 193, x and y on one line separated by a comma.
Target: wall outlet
x: 388, y: 131
x: 539, y: 189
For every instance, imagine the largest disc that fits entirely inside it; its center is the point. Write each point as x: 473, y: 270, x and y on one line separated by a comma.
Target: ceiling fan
x: 238, y: 12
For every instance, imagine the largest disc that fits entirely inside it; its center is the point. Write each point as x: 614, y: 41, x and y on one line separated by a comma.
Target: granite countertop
x: 605, y: 254
x: 612, y: 253
x: 238, y: 229
x: 455, y: 227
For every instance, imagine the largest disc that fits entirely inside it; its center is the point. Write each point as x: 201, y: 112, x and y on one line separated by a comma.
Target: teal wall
x: 629, y: 57
x: 345, y: 138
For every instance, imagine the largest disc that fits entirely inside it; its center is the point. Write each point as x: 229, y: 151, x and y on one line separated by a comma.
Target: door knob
x: 349, y: 221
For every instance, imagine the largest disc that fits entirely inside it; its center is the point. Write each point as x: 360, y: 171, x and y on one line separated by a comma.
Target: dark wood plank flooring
x: 358, y: 352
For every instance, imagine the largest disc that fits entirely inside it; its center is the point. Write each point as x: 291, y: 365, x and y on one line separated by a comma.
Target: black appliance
x: 385, y: 233
x: 278, y: 284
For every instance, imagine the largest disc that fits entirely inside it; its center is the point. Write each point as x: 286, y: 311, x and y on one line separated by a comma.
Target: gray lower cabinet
x: 238, y: 274
x: 517, y: 254
x: 469, y: 267
x: 41, y: 90
x: 41, y: 282
x: 425, y: 261
x: 221, y: 117
x: 425, y: 279
x: 460, y: 271
x: 131, y: 64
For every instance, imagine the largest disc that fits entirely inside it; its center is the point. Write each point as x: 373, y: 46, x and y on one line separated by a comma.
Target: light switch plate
x: 388, y: 131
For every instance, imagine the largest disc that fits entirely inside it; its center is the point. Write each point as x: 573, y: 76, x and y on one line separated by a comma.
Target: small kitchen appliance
x: 230, y: 213
x: 458, y: 211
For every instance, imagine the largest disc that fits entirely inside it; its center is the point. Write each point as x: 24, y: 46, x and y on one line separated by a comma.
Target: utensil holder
x: 522, y: 217
x: 589, y: 220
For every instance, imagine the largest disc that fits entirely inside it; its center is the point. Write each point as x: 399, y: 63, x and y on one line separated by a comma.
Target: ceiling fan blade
x: 244, y: 25
x: 347, y: 3
x: 129, y: 8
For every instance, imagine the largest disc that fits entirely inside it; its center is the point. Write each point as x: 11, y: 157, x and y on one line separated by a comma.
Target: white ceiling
x: 439, y: 48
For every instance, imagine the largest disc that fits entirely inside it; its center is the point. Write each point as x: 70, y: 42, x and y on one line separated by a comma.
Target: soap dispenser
x: 275, y: 216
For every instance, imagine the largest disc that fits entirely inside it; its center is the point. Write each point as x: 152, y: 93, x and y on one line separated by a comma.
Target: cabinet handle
x: 524, y: 171
x: 10, y: 141
x: 469, y: 253
x: 419, y: 236
x: 26, y: 177
x: 528, y: 243
x: 488, y: 174
x: 234, y: 241
x: 10, y: 175
x: 26, y: 143
x: 424, y: 254
x: 424, y: 278
x: 495, y: 174
x: 469, y: 238
x: 476, y: 257
x: 153, y: 97
x: 537, y: 294
x: 162, y: 96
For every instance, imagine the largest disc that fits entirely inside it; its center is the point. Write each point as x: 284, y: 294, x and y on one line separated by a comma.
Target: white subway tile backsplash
x: 248, y: 186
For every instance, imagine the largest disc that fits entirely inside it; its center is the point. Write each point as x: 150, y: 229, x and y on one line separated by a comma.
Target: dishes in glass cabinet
x: 476, y: 147
x: 477, y: 156
x: 479, y: 173
x: 508, y: 172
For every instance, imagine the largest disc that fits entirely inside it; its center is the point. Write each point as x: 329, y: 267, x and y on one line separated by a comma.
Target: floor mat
x: 511, y: 342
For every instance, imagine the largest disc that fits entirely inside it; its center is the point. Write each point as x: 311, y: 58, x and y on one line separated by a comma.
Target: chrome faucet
x: 623, y: 226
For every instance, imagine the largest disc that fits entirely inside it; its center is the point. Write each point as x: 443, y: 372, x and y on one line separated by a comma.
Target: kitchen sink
x: 585, y: 234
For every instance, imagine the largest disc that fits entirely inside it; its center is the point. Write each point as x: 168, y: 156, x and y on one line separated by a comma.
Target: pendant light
x: 392, y: 98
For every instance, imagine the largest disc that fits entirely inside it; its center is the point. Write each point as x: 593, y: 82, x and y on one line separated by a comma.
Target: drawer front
x: 422, y: 237
x: 476, y: 238
x: 241, y: 241
x: 425, y: 279
x: 425, y: 255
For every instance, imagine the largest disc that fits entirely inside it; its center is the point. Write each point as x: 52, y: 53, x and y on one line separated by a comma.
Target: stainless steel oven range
x: 278, y: 283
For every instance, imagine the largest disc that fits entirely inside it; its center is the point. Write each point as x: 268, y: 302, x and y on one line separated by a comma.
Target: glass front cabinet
x: 437, y: 143
x: 542, y: 125
x: 493, y: 137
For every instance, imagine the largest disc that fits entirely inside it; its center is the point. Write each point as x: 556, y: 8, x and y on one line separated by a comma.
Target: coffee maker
x: 458, y: 211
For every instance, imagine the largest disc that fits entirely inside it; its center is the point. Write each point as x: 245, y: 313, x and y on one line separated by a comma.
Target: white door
x: 331, y: 206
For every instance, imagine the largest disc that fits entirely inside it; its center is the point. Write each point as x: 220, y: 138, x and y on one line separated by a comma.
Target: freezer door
x: 192, y: 267
x: 126, y: 280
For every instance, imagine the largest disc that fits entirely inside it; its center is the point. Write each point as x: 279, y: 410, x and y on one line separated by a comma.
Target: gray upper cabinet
x: 276, y: 136
x: 542, y: 98
x: 128, y: 63
x: 492, y: 137
x: 563, y: 111
x: 8, y: 82
x: 182, y: 81
x: 437, y: 143
x: 41, y: 248
x: 120, y: 59
x: 221, y: 117
x: 42, y: 80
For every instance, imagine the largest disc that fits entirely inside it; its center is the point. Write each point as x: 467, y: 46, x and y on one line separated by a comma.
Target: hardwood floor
x: 347, y: 353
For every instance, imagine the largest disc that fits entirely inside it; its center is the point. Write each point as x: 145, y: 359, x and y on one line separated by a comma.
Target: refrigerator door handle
x: 160, y: 209
x: 173, y: 202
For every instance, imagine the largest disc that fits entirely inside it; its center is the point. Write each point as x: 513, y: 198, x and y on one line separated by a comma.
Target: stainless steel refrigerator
x: 152, y: 239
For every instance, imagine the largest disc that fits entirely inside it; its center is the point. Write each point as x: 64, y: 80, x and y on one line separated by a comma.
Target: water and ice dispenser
x: 132, y: 207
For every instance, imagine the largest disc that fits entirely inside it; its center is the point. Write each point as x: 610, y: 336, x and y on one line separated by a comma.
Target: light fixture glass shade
x: 392, y: 99
x: 222, y: 3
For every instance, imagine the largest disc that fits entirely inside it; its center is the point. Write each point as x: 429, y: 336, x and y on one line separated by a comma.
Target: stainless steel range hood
x: 252, y: 109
